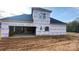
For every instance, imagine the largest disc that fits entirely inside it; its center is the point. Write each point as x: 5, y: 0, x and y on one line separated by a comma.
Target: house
x: 37, y: 23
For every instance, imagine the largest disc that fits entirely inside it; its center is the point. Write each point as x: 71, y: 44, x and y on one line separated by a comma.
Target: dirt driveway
x: 69, y: 42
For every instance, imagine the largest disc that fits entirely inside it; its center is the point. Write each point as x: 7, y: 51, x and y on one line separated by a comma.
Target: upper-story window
x: 42, y: 15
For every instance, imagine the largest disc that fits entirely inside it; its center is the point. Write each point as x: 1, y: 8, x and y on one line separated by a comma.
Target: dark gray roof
x: 54, y: 21
x: 41, y: 9
x: 23, y: 17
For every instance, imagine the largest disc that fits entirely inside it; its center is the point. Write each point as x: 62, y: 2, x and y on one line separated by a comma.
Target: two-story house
x: 37, y: 23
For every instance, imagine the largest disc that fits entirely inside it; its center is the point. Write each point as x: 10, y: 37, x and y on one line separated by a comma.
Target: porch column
x: 14, y: 29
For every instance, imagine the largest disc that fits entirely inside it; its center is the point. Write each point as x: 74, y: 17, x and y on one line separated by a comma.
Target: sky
x: 65, y: 14
x: 17, y: 7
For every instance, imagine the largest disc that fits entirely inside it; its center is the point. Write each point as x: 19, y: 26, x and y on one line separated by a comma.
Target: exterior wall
x: 0, y: 29
x: 57, y: 29
x: 42, y: 31
x: 38, y: 20
x: 41, y: 22
x: 4, y: 30
x: 5, y: 27
x: 54, y: 29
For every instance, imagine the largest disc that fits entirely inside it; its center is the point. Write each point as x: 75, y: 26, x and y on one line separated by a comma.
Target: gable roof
x: 54, y: 21
x: 27, y: 18
x: 23, y: 17
x: 41, y: 9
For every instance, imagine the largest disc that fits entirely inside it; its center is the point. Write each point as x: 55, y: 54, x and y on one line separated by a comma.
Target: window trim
x: 41, y: 28
x: 46, y: 28
x: 42, y: 15
x: 0, y: 24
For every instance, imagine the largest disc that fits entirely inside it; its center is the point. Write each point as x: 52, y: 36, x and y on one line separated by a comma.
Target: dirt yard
x: 69, y: 42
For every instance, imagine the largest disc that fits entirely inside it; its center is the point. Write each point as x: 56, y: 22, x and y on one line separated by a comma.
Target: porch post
x: 14, y: 29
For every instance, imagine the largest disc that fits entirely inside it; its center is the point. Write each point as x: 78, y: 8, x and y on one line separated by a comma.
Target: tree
x: 73, y: 26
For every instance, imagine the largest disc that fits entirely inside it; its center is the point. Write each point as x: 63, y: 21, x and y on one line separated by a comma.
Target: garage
x: 21, y: 30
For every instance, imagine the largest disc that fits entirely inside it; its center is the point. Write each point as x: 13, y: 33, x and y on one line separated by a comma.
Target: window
x: 41, y: 28
x: 0, y: 25
x: 40, y: 15
x: 46, y: 28
x: 44, y: 15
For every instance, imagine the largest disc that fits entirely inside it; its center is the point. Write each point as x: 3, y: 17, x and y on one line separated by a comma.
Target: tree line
x: 73, y: 26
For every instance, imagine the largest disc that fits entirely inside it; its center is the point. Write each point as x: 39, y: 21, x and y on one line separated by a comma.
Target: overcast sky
x: 16, y: 7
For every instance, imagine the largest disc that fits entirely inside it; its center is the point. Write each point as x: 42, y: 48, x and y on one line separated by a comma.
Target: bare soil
x: 69, y: 42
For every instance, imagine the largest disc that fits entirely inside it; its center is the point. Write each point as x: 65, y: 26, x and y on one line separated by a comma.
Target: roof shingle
x: 54, y: 21
x: 28, y: 18
x: 23, y: 17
